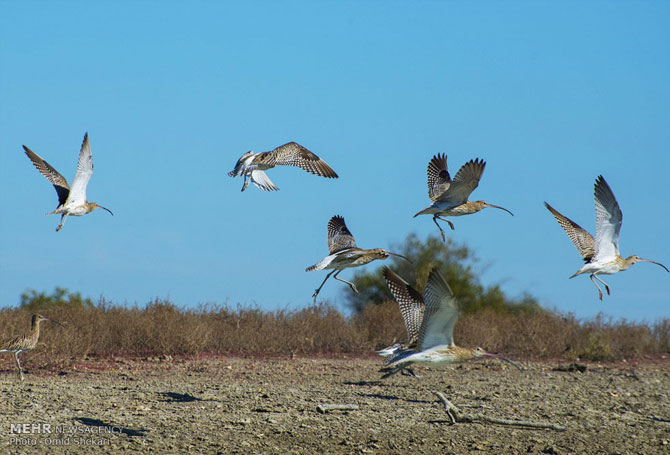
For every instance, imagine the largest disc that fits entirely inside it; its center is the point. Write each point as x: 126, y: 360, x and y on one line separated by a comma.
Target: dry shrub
x: 531, y: 335
x: 162, y: 328
x: 381, y: 325
x: 661, y: 336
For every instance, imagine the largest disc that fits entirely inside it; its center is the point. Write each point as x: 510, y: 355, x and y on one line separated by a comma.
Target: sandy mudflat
x: 233, y: 405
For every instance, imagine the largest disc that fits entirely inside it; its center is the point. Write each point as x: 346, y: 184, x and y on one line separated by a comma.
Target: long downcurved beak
x: 654, y: 262
x: 100, y: 206
x: 496, y: 356
x: 53, y: 320
x: 400, y: 256
x: 498, y: 207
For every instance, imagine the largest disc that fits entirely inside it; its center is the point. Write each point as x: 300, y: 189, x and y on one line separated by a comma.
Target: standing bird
x: 291, y: 154
x: 27, y: 342
x: 71, y: 201
x: 450, y: 197
x: 434, y: 344
x: 601, y: 256
x: 344, y: 253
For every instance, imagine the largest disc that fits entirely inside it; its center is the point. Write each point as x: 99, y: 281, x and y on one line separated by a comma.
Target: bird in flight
x: 344, y: 253
x: 601, y: 256
x: 450, y: 197
x: 252, y: 166
x: 433, y: 342
x: 71, y: 200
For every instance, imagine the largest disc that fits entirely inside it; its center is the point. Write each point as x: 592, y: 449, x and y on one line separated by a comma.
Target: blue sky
x: 172, y: 93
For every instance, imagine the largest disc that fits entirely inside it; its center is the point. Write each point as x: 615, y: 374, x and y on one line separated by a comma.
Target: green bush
x: 34, y: 301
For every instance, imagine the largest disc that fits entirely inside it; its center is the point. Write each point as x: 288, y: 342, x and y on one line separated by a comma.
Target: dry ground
x: 234, y: 405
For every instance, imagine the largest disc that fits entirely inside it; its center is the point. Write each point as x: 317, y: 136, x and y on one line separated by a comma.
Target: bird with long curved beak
x: 450, y: 197
x: 430, y: 323
x: 344, y: 253
x: 71, y: 200
x: 27, y: 342
x: 601, y: 256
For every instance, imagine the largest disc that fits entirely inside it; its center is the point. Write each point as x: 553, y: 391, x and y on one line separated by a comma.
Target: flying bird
x: 433, y: 344
x: 450, y: 197
x: 601, y: 256
x: 252, y: 165
x: 71, y: 201
x: 27, y: 342
x: 344, y: 253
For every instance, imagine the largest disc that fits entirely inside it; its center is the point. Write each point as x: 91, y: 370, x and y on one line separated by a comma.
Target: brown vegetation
x: 107, y: 330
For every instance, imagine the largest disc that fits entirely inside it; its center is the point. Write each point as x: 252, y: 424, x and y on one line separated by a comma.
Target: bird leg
x: 600, y: 292
x: 607, y: 288
x: 351, y: 285
x: 18, y: 364
x: 409, y: 372
x: 322, y: 283
x: 246, y: 183
x: 63, y: 217
x: 451, y: 225
x: 390, y: 371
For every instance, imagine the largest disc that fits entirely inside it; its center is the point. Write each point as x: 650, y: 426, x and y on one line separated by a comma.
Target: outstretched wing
x: 438, y: 176
x: 410, y: 303
x: 608, y: 220
x: 51, y: 174
x: 464, y: 183
x: 294, y: 154
x: 440, y: 314
x: 339, y: 236
x: 262, y: 181
x: 83, y: 175
x: 580, y: 238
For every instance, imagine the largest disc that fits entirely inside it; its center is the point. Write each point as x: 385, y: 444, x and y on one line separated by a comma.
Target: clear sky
x: 550, y: 94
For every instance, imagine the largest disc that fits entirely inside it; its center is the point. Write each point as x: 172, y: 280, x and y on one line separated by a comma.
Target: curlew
x: 433, y: 344
x: 601, y: 256
x: 71, y: 200
x: 344, y: 253
x: 450, y: 197
x: 26, y: 342
x: 252, y: 166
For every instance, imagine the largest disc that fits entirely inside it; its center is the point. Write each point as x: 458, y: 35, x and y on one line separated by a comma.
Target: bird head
x: 633, y: 259
x: 241, y: 164
x: 37, y: 318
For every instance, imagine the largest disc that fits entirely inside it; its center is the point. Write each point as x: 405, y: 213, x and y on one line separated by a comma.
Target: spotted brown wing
x: 409, y: 301
x: 339, y: 236
x: 582, y: 240
x: 294, y: 154
x: 438, y: 176
x: 51, y: 174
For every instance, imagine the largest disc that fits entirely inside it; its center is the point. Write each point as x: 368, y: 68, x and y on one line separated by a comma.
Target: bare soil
x: 237, y: 405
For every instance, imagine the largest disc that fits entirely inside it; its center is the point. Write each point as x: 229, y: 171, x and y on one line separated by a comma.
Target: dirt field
x: 232, y: 405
